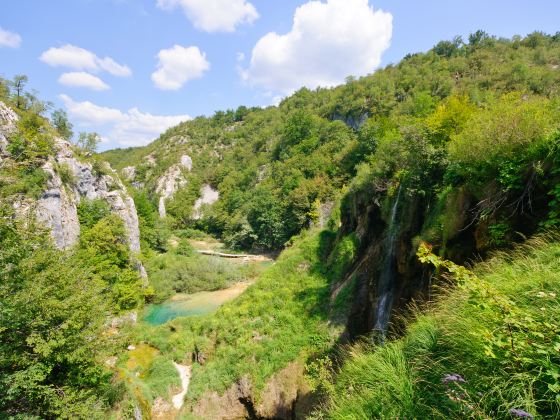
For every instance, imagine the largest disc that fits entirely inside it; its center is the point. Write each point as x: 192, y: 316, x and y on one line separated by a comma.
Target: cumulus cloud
x: 177, y: 65
x: 214, y: 15
x: 130, y: 128
x: 9, y: 39
x: 81, y: 59
x: 328, y: 42
x: 82, y: 79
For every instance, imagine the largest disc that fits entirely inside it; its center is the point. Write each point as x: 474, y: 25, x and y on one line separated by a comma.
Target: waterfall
x: 385, y: 289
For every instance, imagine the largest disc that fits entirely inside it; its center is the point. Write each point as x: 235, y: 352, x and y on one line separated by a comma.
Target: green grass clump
x: 499, y: 333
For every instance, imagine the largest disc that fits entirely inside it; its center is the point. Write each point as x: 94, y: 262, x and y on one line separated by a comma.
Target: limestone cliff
x: 171, y: 181
x: 70, y: 181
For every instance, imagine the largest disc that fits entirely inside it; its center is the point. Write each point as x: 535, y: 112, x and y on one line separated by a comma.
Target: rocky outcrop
x: 129, y: 173
x: 172, y: 181
x: 285, y: 396
x: 57, y: 210
x: 186, y: 161
x: 57, y: 207
x: 8, y: 120
x: 70, y: 181
x: 353, y: 122
x: 208, y: 196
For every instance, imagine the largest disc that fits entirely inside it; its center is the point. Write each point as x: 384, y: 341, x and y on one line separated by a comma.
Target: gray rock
x: 208, y: 196
x: 186, y: 161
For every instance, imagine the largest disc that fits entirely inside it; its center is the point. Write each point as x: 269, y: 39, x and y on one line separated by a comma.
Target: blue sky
x: 130, y: 68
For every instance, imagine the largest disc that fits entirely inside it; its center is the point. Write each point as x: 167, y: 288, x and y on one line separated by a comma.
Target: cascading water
x: 385, y: 289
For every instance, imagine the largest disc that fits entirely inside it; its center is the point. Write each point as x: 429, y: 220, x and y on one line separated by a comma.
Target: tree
x: 19, y: 82
x: 88, y: 142
x: 60, y: 121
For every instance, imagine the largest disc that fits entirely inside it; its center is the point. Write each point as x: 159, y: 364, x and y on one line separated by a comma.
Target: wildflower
x: 552, y: 294
x: 541, y: 294
x: 454, y: 377
x: 516, y: 412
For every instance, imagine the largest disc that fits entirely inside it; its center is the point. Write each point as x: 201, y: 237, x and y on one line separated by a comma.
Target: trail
x: 185, y: 375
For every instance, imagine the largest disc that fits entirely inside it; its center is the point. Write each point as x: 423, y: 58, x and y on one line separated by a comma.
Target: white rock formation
x: 172, y: 181
x: 57, y: 207
x: 208, y: 195
x: 186, y: 161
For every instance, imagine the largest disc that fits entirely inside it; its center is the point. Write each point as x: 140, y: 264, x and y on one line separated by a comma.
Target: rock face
x: 208, y: 195
x: 353, y: 122
x: 70, y: 181
x: 129, y: 173
x: 172, y: 181
x: 167, y: 185
x: 57, y: 207
x: 57, y: 210
x: 8, y: 120
x: 285, y: 396
x: 186, y: 161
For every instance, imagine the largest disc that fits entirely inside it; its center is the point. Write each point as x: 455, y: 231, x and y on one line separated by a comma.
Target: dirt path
x: 185, y: 375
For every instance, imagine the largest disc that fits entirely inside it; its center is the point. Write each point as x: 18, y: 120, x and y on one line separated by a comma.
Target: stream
x: 185, y: 375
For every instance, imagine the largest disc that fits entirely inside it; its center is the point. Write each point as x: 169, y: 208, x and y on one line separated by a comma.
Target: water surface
x: 194, y: 304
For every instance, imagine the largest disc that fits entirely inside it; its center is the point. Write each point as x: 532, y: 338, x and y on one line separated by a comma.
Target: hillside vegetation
x: 483, y: 114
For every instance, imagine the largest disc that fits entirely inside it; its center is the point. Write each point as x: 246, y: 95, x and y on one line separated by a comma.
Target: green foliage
x: 104, y: 246
x: 88, y: 142
x: 90, y: 212
x: 29, y: 181
x: 279, y: 319
x: 342, y: 257
x: 65, y: 173
x: 60, y: 122
x: 509, y: 126
x: 51, y: 322
x: 32, y: 142
x: 184, y: 271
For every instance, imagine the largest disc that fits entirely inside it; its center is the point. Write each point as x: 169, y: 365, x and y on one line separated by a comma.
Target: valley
x: 386, y: 248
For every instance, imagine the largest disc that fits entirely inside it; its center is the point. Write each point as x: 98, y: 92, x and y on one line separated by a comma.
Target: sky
x: 130, y: 69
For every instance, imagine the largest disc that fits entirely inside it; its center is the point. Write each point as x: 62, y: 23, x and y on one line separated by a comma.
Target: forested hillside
x: 425, y: 120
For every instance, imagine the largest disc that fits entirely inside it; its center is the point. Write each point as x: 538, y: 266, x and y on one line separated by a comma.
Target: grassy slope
x: 404, y: 378
x: 281, y: 318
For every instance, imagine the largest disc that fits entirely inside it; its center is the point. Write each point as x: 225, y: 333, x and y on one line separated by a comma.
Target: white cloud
x: 214, y: 15
x: 178, y: 65
x: 82, y: 79
x: 328, y: 42
x: 111, y: 66
x: 9, y: 39
x: 130, y: 128
x: 82, y: 59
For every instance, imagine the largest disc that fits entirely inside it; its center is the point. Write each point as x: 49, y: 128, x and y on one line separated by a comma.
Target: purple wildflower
x: 520, y: 413
x: 454, y: 377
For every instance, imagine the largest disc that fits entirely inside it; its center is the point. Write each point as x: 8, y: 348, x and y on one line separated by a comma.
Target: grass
x: 462, y: 334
